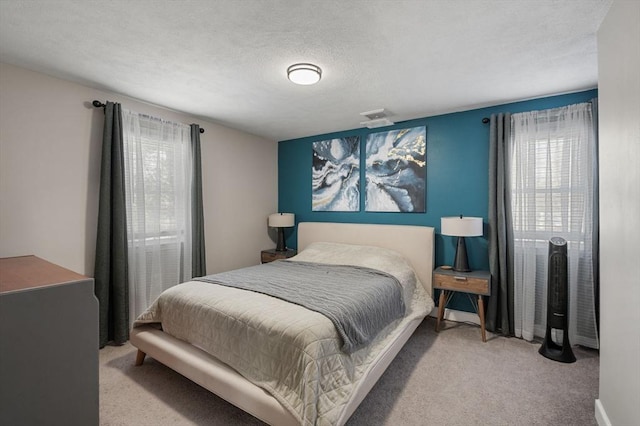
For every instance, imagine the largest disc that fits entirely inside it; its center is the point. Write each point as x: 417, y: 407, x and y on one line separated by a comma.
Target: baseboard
x: 457, y: 316
x: 601, y: 415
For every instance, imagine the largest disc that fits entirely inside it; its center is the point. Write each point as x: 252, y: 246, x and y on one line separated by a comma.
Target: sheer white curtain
x: 158, y: 173
x: 552, y: 188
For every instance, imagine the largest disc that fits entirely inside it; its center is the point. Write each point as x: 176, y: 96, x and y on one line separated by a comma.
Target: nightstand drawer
x: 267, y: 256
x: 461, y: 283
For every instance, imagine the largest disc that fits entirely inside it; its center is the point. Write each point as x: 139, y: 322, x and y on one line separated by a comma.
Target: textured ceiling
x: 226, y: 60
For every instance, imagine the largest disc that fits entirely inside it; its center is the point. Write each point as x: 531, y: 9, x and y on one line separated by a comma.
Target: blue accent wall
x: 457, y: 176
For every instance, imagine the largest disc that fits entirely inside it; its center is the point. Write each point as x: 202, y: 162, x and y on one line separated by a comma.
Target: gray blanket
x: 359, y: 301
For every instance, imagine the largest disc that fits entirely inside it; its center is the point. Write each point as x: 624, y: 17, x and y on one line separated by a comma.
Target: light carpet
x: 446, y: 378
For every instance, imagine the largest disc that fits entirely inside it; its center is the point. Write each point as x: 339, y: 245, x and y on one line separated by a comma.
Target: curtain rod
x: 99, y: 104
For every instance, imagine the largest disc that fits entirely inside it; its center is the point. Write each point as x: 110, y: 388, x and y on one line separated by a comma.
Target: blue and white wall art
x: 336, y: 175
x: 396, y: 171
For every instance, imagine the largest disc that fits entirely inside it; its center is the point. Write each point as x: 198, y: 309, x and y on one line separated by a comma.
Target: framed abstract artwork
x: 396, y: 170
x: 336, y: 175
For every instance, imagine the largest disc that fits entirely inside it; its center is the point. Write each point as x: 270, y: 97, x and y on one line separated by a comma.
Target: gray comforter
x: 359, y: 301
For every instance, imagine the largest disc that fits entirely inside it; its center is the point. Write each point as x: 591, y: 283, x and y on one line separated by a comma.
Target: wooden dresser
x: 48, y: 345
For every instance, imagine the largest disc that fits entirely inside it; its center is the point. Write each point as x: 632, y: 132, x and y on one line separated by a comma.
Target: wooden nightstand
x: 270, y: 255
x: 449, y: 281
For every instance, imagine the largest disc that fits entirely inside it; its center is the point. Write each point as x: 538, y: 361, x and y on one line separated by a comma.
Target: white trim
x: 457, y: 316
x: 601, y: 416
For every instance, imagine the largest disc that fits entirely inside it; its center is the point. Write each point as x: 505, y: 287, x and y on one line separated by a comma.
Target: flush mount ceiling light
x: 304, y: 74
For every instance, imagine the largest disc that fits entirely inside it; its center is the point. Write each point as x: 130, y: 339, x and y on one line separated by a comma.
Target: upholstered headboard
x: 414, y: 242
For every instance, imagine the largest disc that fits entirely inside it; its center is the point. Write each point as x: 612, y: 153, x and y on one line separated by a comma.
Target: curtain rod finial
x: 98, y: 104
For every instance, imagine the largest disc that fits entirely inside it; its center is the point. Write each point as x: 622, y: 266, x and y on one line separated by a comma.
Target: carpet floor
x: 445, y: 378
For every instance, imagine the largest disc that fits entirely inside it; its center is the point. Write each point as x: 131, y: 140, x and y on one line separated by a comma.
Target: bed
x: 343, y: 380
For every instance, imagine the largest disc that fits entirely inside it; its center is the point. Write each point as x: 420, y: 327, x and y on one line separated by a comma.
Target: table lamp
x: 458, y: 226
x: 281, y: 221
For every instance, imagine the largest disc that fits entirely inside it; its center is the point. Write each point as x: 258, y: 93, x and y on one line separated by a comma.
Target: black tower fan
x: 557, y: 303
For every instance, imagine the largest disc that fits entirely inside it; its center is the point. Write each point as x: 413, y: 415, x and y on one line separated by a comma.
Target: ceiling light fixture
x: 304, y: 74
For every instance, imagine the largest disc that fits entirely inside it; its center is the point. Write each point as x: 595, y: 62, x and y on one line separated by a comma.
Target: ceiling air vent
x: 376, y: 118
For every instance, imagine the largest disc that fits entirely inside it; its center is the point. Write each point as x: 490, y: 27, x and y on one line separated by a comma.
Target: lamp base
x: 281, y: 246
x: 461, y: 263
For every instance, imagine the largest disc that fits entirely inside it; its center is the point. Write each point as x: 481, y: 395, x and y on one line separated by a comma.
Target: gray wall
x: 50, y: 139
x: 49, y: 361
x: 619, y: 100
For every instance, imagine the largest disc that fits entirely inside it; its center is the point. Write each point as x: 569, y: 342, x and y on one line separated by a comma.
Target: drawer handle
x: 460, y: 278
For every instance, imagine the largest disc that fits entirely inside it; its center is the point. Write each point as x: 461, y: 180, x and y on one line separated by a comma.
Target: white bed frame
x: 414, y: 242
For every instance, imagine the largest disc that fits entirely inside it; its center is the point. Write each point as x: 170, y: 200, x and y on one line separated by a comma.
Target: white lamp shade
x: 457, y: 226
x: 282, y: 220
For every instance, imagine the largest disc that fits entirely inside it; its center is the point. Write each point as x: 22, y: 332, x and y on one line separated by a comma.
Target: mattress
x: 289, y: 351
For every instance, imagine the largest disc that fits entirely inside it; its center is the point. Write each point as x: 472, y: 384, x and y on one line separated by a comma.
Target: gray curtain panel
x: 111, y: 270
x: 499, y: 315
x: 199, y: 261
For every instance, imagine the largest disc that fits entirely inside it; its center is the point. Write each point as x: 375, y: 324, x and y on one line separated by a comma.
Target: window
x: 158, y: 173
x: 549, y: 190
x: 552, y: 172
